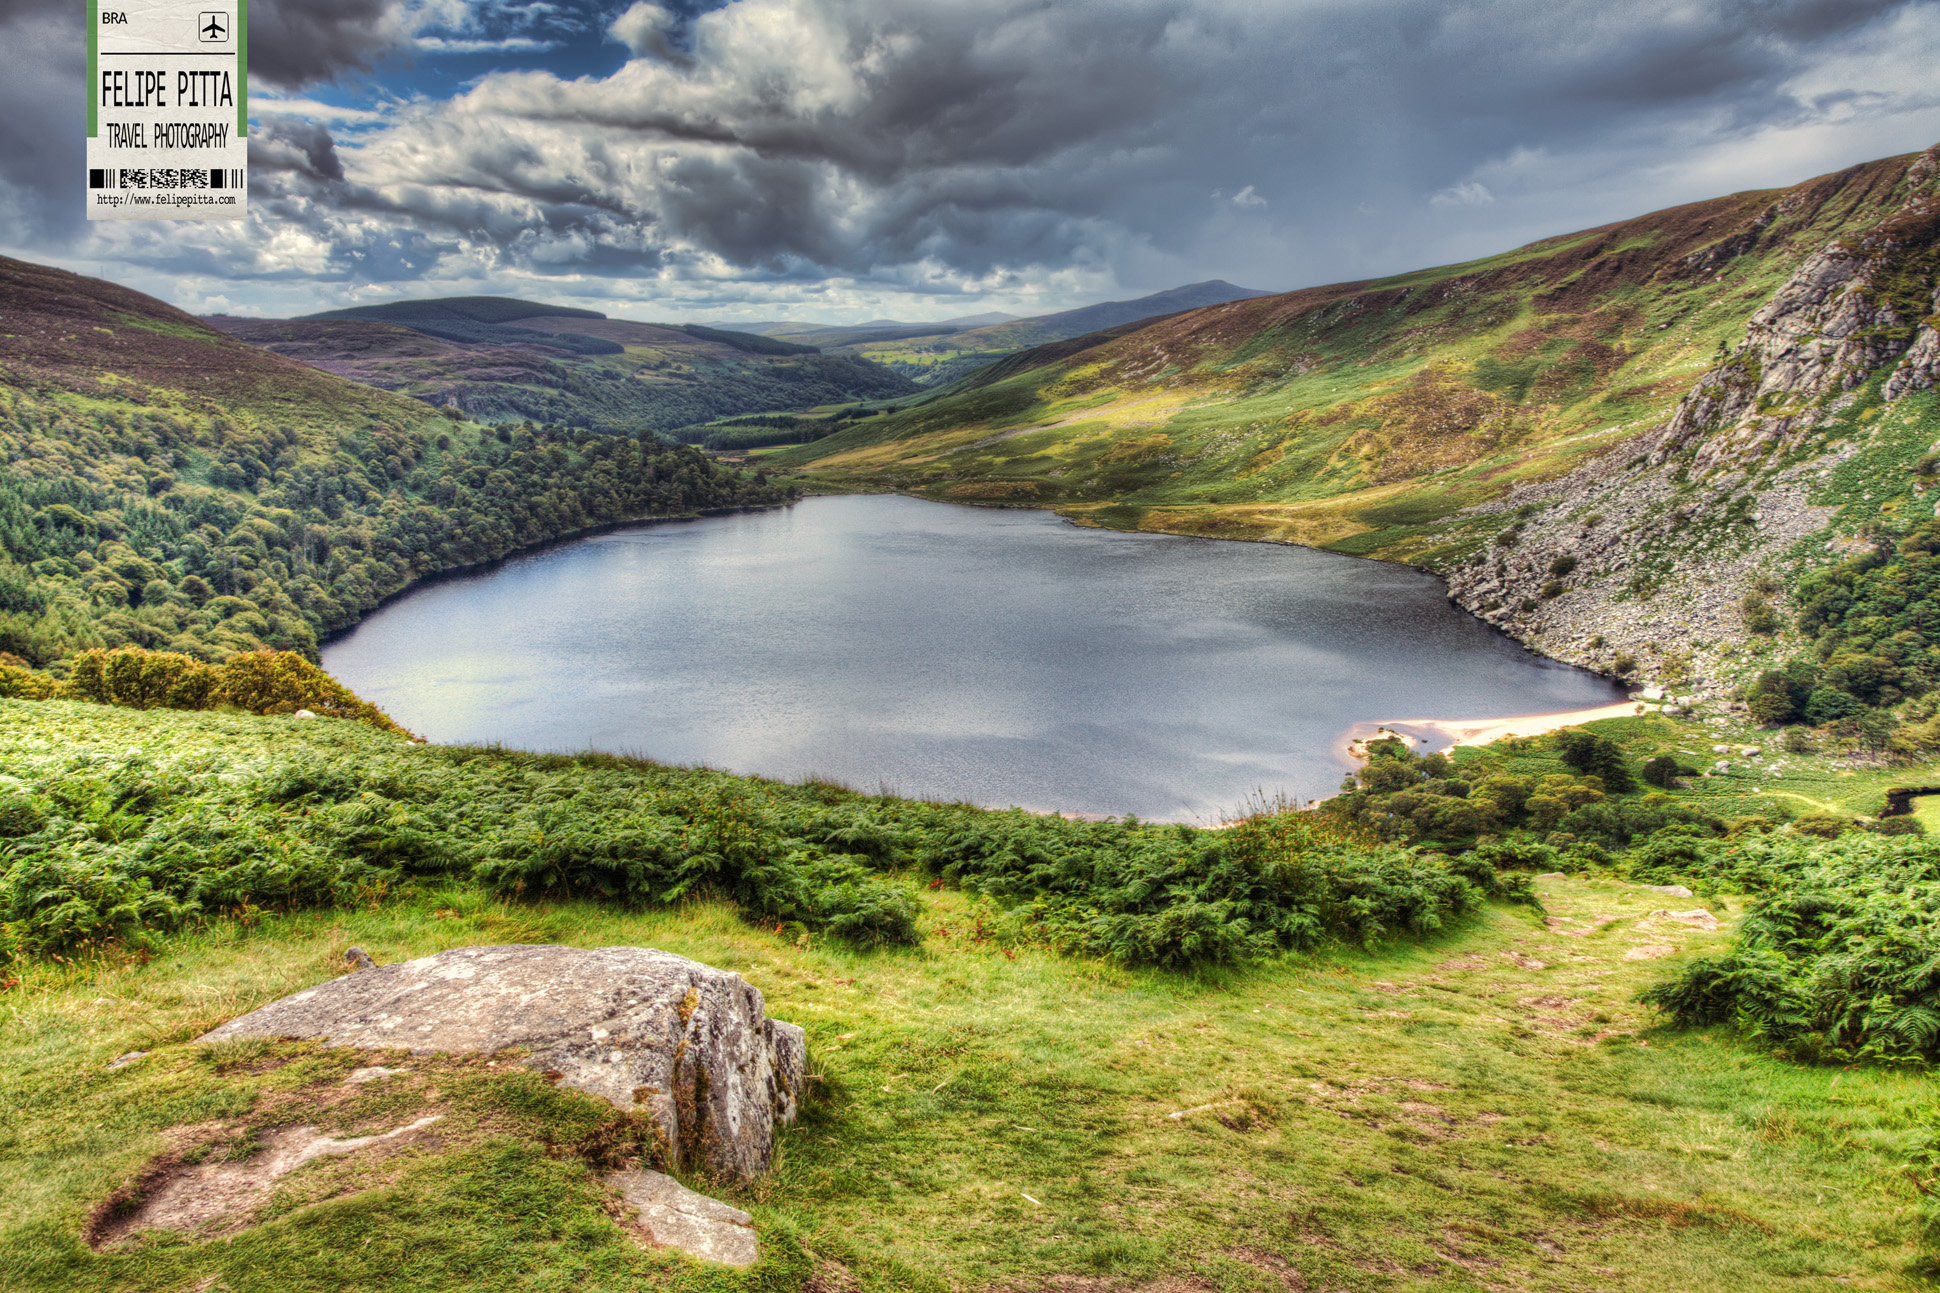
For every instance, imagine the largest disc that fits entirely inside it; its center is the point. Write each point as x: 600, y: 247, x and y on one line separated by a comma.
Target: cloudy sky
x: 918, y: 159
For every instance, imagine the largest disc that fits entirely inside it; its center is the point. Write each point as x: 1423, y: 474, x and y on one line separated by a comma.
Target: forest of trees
x: 208, y: 536
x: 1871, y: 620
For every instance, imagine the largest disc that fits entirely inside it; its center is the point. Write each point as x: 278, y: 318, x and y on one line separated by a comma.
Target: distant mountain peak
x: 476, y: 309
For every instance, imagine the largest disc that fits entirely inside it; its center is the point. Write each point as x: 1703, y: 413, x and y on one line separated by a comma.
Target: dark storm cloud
x: 42, y: 65
x: 301, y: 42
x: 287, y: 144
x: 936, y: 147
x: 871, y: 132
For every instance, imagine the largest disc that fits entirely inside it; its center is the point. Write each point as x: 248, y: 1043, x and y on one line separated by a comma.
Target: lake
x: 999, y: 656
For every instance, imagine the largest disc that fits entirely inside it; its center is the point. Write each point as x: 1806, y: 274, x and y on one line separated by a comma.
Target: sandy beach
x: 1429, y: 734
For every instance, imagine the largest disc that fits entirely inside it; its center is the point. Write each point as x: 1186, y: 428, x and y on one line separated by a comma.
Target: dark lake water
x: 998, y: 656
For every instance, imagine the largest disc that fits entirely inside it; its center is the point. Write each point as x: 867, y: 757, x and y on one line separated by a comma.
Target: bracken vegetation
x: 1838, y: 956
x: 111, y: 848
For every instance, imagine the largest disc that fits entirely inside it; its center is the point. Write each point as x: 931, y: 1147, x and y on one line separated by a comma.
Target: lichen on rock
x: 687, y: 1045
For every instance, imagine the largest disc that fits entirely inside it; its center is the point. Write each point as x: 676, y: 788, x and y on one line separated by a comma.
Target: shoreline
x: 1436, y: 734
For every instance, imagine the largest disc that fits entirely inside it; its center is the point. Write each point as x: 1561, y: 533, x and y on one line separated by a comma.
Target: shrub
x: 138, y: 679
x: 262, y: 682
x: 1589, y: 755
x: 17, y: 683
x: 1663, y: 772
x: 282, y: 682
x: 1476, y: 870
x: 1517, y: 855
x: 1563, y: 565
x: 1825, y: 826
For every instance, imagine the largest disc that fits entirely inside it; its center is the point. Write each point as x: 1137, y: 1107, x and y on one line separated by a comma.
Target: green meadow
x: 1480, y: 1105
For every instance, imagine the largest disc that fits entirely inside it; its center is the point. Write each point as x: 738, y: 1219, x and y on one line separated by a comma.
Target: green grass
x: 1484, y: 1109
x: 1814, y: 781
x: 1442, y: 1117
x: 1356, y: 417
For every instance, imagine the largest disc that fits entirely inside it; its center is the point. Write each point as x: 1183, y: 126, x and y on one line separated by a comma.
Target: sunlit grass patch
x: 1488, y: 1109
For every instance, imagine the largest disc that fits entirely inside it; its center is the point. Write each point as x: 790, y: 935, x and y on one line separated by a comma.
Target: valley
x: 1608, y: 441
x: 1645, y: 1004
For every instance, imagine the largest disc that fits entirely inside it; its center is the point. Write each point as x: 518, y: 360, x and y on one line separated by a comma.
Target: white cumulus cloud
x: 1469, y: 193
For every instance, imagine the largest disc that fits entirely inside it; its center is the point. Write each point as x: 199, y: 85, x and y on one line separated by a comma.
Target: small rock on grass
x: 677, y: 1217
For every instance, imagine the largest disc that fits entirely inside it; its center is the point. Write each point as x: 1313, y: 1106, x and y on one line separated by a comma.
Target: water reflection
x: 996, y: 656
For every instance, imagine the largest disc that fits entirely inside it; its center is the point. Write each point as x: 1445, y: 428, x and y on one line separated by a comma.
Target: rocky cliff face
x: 1667, y: 557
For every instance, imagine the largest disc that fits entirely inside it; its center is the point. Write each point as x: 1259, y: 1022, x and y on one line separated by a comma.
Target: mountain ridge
x: 504, y: 359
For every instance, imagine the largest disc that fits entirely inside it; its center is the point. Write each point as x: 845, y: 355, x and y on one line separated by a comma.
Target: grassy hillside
x: 500, y: 359
x: 1484, y: 1106
x: 1359, y: 414
x: 170, y: 487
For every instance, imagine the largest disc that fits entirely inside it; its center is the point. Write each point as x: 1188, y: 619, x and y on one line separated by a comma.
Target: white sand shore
x: 1444, y: 733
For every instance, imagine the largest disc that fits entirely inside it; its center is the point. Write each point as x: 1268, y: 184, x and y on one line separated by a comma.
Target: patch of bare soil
x: 345, y: 1131
x: 221, y: 1195
x: 1102, y: 1284
x: 1576, y: 926
x: 1273, y: 1264
x: 831, y: 1276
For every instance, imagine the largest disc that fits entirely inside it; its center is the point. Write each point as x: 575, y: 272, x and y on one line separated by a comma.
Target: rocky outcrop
x: 1659, y: 554
x: 687, y: 1045
x: 1920, y: 370
x: 1833, y: 325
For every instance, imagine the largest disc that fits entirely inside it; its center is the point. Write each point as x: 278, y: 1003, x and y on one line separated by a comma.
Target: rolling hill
x: 503, y: 359
x: 934, y: 354
x: 169, y: 486
x: 1610, y: 440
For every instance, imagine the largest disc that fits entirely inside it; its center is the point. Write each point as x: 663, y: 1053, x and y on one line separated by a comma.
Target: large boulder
x: 688, y: 1045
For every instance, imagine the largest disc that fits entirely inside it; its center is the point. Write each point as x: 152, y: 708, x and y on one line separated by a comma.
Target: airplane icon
x: 213, y: 28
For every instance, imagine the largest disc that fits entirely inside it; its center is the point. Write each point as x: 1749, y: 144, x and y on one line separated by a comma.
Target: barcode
x: 165, y: 178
